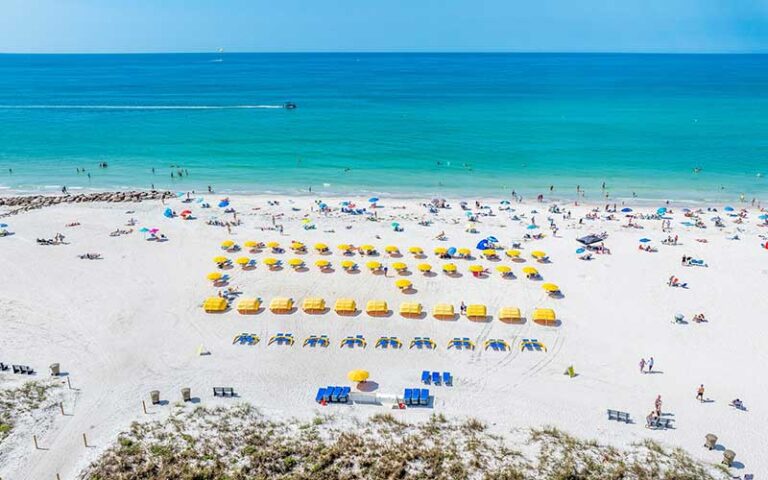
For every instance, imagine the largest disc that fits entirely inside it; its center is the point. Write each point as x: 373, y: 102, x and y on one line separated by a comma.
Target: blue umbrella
x: 168, y: 213
x: 452, y: 251
x: 761, y: 217
x: 483, y: 244
x: 224, y: 203
x: 344, y: 204
x: 143, y: 229
x: 505, y: 202
x: 3, y: 225
x: 532, y: 227
x: 661, y: 211
x: 645, y: 240
x: 492, y: 239
x: 728, y: 209
x: 580, y: 250
x: 373, y: 199
x: 468, y: 214
x: 626, y: 209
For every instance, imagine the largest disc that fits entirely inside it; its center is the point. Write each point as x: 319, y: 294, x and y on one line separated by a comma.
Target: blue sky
x: 384, y: 25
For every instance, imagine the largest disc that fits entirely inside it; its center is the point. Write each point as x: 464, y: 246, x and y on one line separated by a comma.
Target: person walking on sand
x: 700, y: 393
x: 650, y: 364
x: 657, y: 404
x: 642, y: 365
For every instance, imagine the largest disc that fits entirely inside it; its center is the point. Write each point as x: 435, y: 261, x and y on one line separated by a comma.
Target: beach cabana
x: 321, y: 247
x: 416, y: 250
x: 403, y: 284
x: 410, y: 309
x: 443, y: 311
x: 281, y: 305
x: 510, y: 315
x: 530, y: 272
x: 376, y: 308
x: 449, y: 268
x: 313, y: 305
x: 477, y: 311
x: 358, y: 375
x: 215, y: 304
x: 345, y: 306
x: 544, y: 316
x: 248, y: 306
x: 551, y: 288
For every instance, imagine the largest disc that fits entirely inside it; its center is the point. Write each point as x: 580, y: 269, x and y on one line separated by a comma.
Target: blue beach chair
x: 435, y: 378
x: 407, y: 396
x: 424, y: 397
x: 320, y: 394
x: 447, y: 379
x: 335, y: 394
x: 425, y: 377
x: 344, y: 395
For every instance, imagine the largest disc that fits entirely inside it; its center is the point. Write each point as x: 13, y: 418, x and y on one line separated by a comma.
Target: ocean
x: 681, y: 127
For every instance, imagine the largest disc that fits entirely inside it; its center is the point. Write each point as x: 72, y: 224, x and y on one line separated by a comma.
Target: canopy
x: 510, y: 314
x: 476, y: 268
x: 248, y: 305
x: 443, y: 310
x: 589, y: 239
x: 281, y: 305
x: 358, y: 375
x: 403, y: 283
x: 476, y: 311
x: 214, y: 276
x: 214, y: 304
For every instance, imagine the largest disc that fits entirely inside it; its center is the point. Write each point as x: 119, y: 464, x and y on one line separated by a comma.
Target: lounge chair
x: 344, y: 395
x: 435, y: 378
x: 320, y: 395
x: 424, y: 397
x: 407, y: 395
x: 425, y: 377
x: 335, y: 394
x: 447, y: 379
x: 327, y: 394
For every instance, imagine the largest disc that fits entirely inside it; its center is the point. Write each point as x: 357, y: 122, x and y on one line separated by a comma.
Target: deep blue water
x: 389, y: 123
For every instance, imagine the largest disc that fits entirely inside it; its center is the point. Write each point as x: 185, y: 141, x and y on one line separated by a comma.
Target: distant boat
x: 289, y: 105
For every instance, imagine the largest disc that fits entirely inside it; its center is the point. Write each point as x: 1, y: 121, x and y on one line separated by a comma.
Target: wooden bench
x: 660, y: 423
x: 619, y: 416
x: 223, y: 392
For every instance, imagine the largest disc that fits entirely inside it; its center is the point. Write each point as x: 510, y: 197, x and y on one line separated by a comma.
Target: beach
x: 132, y: 320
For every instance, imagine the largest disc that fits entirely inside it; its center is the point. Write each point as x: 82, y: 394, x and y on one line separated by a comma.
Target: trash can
x: 186, y: 394
x: 728, y: 457
x: 154, y: 395
x: 55, y: 371
x: 711, y: 441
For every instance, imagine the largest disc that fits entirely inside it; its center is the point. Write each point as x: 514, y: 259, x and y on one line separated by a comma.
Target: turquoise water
x: 449, y: 124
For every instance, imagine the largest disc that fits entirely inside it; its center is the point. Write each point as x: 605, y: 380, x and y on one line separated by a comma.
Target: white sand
x: 132, y: 322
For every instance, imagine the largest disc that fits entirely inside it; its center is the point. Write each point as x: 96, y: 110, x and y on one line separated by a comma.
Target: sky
x: 112, y: 26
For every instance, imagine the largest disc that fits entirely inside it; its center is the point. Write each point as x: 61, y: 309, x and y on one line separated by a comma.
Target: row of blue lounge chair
x: 332, y: 394
x: 434, y: 378
x: 416, y: 396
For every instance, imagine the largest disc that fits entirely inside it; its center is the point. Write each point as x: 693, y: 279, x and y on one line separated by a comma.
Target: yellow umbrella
x: 322, y: 263
x: 295, y: 262
x: 347, y: 264
x: 465, y: 251
x: 503, y: 269
x: 538, y: 254
x: 391, y: 249
x: 399, y: 266
x: 219, y: 259
x: 243, y: 261
x: 227, y: 244
x: 273, y: 244
x: 373, y: 265
x: 358, y: 375
x: 530, y: 271
x: 250, y: 243
x: 550, y: 287
x: 297, y: 246
x: 214, y: 276
x: 345, y: 247
x: 441, y: 251
x: 416, y: 250
x: 476, y: 268
x: 403, y: 283
x: 270, y: 261
x: 425, y: 267
x: 513, y: 253
x: 321, y: 247
x: 489, y: 252
x: 367, y: 248
x: 449, y: 267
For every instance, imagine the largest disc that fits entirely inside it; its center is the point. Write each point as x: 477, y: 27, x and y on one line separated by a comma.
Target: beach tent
x: 477, y: 312
x: 281, y: 305
x: 376, y: 308
x: 410, y: 309
x: 248, y: 305
x: 510, y: 314
x: 545, y: 316
x: 345, y: 306
x: 313, y: 305
x: 215, y: 304
x: 443, y: 311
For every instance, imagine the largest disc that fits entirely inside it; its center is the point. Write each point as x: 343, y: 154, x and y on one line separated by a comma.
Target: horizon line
x: 390, y: 52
